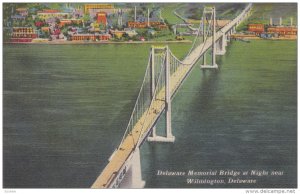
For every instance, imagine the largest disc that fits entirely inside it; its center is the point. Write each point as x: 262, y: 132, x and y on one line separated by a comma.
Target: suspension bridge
x: 163, y: 77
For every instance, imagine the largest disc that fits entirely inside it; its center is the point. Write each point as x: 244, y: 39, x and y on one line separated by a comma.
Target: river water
x: 65, y: 108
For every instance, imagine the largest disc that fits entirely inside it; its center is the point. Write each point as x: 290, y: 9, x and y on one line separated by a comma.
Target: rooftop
x: 49, y: 11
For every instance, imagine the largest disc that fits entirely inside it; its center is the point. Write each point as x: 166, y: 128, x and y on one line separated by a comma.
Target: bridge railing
x: 141, y: 104
x: 144, y: 99
x: 158, y: 95
x: 175, y: 63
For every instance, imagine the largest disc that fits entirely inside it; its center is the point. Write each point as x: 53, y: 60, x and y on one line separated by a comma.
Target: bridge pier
x: 221, y: 45
x: 133, y: 177
x: 228, y: 36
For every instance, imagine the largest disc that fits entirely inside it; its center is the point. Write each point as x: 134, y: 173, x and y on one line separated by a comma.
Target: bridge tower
x: 211, y: 29
x: 169, y: 137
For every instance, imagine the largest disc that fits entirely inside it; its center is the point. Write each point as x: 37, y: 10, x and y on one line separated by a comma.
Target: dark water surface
x: 66, y: 106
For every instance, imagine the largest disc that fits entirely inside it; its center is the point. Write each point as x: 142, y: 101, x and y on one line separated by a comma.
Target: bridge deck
x: 151, y: 115
x: 142, y: 126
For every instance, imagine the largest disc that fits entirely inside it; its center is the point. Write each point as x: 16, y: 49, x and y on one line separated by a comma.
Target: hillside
x: 223, y: 10
x: 263, y: 11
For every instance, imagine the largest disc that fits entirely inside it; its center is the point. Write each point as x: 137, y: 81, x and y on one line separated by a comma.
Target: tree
x: 6, y: 35
x: 86, y: 17
x: 168, y: 24
x: 64, y: 30
x: 86, y: 20
x: 45, y: 35
x: 8, y: 10
x: 102, y: 26
x: 125, y: 37
x: 57, y: 20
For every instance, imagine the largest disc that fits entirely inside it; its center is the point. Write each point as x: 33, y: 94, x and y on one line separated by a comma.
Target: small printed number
x: 10, y: 191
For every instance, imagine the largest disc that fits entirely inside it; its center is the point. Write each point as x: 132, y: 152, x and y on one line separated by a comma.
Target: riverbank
x: 254, y: 37
x: 258, y: 38
x: 101, y: 42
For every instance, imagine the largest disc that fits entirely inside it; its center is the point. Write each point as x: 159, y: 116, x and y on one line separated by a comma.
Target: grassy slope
x: 224, y: 10
x: 167, y: 13
x: 263, y: 12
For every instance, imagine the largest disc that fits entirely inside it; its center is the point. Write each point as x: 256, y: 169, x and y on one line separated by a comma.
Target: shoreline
x: 104, y: 42
x: 136, y: 42
x: 259, y: 38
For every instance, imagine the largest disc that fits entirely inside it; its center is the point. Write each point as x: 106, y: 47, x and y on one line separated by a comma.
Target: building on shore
x: 90, y: 37
x: 160, y: 25
x: 132, y: 24
x: 102, y: 18
x: 23, y: 34
x: 283, y: 30
x: 271, y: 31
x: 64, y: 22
x: 22, y: 11
x: 117, y: 33
x: 130, y: 32
x: 45, y: 29
x: 93, y: 9
x: 52, y: 13
x: 87, y: 7
x: 256, y: 28
x: 18, y: 17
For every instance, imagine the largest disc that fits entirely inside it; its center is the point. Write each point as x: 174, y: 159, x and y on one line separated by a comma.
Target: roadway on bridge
x: 141, y: 127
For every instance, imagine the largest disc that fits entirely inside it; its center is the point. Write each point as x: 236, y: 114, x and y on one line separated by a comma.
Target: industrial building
x: 283, y: 30
x: 90, y: 37
x: 87, y: 7
x: 64, y: 22
x: 52, y: 13
x: 23, y: 34
x: 102, y: 18
x: 157, y: 24
x: 274, y: 29
x: 256, y: 28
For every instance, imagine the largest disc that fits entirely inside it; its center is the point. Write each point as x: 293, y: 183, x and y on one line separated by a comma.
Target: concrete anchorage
x: 133, y: 177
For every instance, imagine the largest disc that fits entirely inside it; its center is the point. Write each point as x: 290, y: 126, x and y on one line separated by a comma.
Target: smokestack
x: 280, y: 21
x: 148, y: 18
x: 271, y: 22
x: 121, y: 15
x: 202, y: 26
x: 291, y: 21
x: 134, y: 13
x: 160, y: 14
